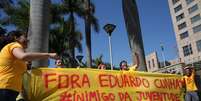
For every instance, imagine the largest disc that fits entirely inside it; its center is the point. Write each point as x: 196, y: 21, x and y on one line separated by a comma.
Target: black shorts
x: 8, y: 95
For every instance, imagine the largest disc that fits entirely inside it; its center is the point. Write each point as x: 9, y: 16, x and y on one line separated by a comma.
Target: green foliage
x: 97, y: 61
x: 57, y: 37
x: 17, y: 14
x: 63, y: 33
x: 2, y: 31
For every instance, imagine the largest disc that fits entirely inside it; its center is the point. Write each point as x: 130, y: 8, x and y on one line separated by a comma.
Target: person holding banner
x: 59, y: 63
x: 13, y: 64
x: 124, y: 66
x: 191, y: 88
x: 102, y: 66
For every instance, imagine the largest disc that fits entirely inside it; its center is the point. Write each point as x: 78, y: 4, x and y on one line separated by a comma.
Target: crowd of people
x: 14, y: 61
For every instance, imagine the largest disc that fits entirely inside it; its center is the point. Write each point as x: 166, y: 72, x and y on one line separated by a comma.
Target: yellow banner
x: 59, y: 84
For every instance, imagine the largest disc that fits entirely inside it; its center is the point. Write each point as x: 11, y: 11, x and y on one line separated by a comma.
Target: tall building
x: 186, y: 18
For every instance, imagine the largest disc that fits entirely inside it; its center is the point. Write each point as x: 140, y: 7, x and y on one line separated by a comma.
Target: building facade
x: 172, y: 69
x: 152, y: 62
x: 186, y: 19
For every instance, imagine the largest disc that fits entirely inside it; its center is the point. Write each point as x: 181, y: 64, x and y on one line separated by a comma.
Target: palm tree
x: 97, y: 61
x: 69, y: 6
x: 68, y: 43
x: 76, y: 7
x: 6, y: 3
x: 134, y: 33
x: 58, y: 11
x: 89, y: 19
x: 39, y: 24
x: 72, y: 6
x: 17, y: 14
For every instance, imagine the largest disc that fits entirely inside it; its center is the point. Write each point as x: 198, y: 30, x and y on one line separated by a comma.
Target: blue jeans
x: 191, y: 96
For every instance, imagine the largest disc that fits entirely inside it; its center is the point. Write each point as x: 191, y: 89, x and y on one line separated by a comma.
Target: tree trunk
x: 88, y: 33
x: 39, y: 24
x: 71, y: 50
x: 134, y: 32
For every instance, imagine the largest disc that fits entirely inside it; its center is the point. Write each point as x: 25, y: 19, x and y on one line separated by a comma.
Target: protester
x: 102, y: 66
x: 123, y: 65
x: 191, y: 88
x: 59, y: 63
x: 13, y: 64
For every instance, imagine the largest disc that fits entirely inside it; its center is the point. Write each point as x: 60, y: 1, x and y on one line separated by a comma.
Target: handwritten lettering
x: 66, y: 80
x: 112, y: 87
x: 157, y: 96
x: 124, y: 96
x: 168, y: 83
x: 88, y: 96
x: 111, y: 81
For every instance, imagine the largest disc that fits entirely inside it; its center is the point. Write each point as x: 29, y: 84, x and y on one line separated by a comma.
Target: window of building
x: 178, y: 8
x: 179, y: 17
x: 174, y: 1
x: 184, y: 35
x: 197, y: 29
x: 187, y: 50
x: 182, y: 25
x: 198, y: 44
x: 195, y: 18
x: 153, y: 62
x: 149, y: 64
x: 193, y: 9
x: 189, y: 1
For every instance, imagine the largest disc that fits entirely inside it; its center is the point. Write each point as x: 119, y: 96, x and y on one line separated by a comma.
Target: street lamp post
x: 109, y: 28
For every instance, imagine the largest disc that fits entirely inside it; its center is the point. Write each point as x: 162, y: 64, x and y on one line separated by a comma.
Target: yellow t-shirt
x: 190, y: 82
x: 11, y: 68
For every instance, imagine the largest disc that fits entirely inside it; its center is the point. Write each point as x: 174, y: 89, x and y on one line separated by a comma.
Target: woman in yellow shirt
x: 191, y: 88
x: 123, y: 64
x: 12, y: 65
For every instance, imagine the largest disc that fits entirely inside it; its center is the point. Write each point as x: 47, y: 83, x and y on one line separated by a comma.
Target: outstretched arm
x: 19, y: 53
x: 135, y: 66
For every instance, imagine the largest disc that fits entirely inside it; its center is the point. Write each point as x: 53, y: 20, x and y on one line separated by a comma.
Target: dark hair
x: 11, y: 37
x: 17, y: 34
x: 122, y: 63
